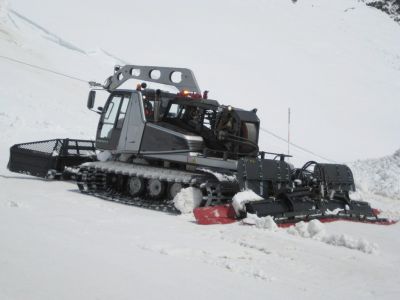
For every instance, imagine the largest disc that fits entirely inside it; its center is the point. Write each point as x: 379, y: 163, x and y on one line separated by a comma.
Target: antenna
x: 288, y: 133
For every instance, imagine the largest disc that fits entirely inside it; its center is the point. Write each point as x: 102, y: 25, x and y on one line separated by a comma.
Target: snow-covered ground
x: 58, y: 244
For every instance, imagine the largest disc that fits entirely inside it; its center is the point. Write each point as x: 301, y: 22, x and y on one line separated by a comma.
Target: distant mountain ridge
x: 391, y: 7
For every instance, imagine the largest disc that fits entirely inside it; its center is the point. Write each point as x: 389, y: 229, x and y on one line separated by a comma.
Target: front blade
x: 219, y: 214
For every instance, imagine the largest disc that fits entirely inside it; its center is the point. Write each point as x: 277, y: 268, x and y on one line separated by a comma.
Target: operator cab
x: 154, y: 122
x: 131, y: 122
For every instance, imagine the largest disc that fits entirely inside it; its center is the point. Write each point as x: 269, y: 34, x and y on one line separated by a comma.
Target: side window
x: 110, y: 116
x: 176, y: 111
x: 148, y: 106
x: 122, y: 112
x: 209, y: 118
x: 173, y: 111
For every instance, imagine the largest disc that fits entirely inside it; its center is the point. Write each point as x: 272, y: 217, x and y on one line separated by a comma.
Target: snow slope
x: 58, y: 244
x: 335, y: 63
x: 36, y: 104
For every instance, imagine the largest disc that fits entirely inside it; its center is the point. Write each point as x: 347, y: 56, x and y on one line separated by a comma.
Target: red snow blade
x: 220, y: 214
x: 225, y: 214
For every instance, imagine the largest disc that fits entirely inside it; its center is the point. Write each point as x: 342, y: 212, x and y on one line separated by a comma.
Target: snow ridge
x: 379, y: 176
x: 316, y: 230
x: 12, y: 15
x: 47, y: 34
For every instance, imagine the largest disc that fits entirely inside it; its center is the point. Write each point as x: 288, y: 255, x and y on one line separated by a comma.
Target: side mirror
x: 91, y: 98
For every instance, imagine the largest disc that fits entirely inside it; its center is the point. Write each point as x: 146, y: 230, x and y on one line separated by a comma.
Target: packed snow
x: 316, y: 231
x: 378, y: 182
x: 59, y: 244
x: 241, y: 198
x: 188, y: 199
x: 219, y: 176
x: 263, y: 222
x: 380, y: 176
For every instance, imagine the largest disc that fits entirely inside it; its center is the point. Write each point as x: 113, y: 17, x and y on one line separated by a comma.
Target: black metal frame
x: 38, y: 158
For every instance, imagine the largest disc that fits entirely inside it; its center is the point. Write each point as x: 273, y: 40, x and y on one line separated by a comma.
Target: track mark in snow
x: 260, y: 249
x: 191, y: 253
x: 259, y: 246
x: 174, y: 251
x: 13, y: 204
x: 10, y: 203
x: 239, y: 263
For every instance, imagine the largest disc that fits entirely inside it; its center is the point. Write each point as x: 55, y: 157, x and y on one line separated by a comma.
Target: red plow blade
x: 220, y: 214
x: 225, y: 214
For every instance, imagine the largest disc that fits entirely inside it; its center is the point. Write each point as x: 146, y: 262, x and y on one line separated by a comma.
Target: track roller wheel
x: 174, y: 189
x: 156, y: 188
x: 136, y: 186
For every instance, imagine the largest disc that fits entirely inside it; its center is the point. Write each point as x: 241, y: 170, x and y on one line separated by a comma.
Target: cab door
x: 133, y: 128
x: 112, y: 121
